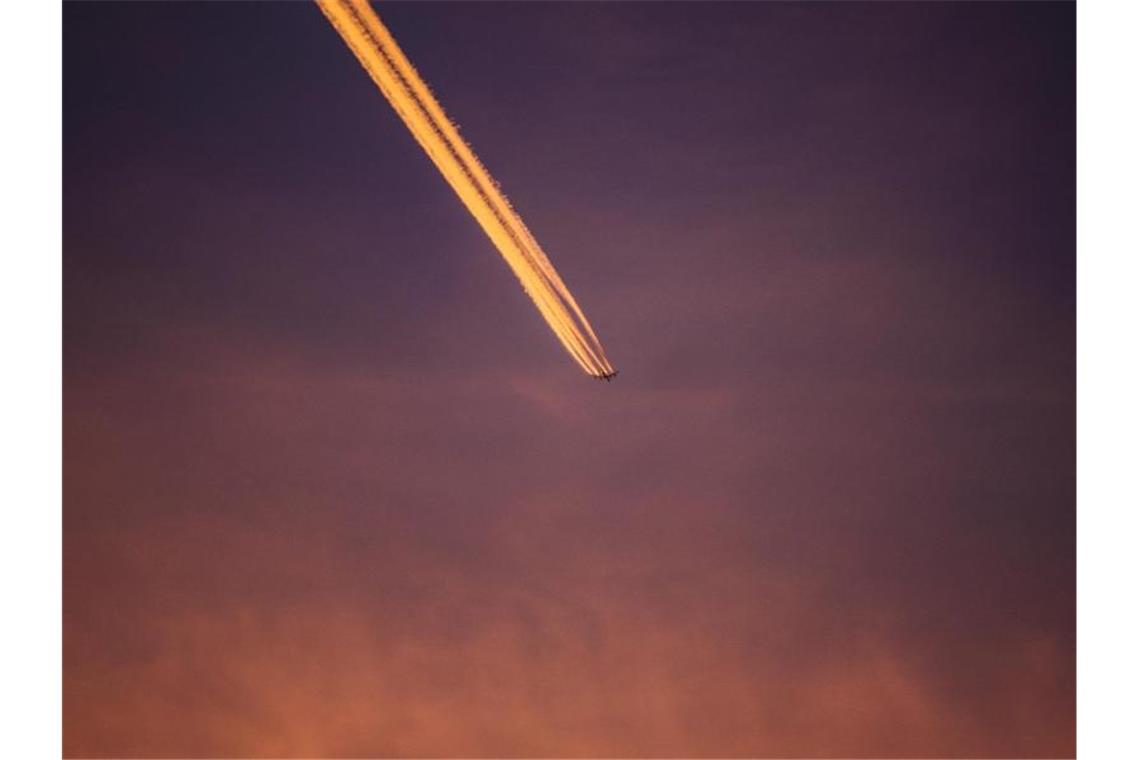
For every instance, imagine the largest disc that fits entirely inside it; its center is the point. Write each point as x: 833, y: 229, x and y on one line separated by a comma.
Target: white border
x: 1108, y: 378
x: 30, y: 312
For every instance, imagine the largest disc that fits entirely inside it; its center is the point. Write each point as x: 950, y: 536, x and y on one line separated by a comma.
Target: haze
x: 332, y: 490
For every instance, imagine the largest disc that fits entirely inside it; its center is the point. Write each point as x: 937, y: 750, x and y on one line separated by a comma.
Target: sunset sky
x: 332, y: 488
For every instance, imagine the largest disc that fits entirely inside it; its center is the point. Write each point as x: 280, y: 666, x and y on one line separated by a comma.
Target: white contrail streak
x: 376, y: 49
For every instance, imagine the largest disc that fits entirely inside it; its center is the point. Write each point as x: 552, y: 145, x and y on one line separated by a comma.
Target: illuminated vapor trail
x: 377, y: 51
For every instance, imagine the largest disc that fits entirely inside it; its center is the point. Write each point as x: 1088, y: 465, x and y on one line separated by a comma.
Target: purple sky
x: 333, y: 489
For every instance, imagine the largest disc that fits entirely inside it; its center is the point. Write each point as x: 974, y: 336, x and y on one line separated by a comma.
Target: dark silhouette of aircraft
x: 609, y: 377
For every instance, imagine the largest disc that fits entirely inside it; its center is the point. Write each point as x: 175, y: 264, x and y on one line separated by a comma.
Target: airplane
x: 609, y: 377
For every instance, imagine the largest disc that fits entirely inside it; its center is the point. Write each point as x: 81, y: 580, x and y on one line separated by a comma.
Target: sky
x: 331, y: 487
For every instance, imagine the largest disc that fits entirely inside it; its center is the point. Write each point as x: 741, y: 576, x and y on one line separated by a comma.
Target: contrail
x: 376, y: 49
